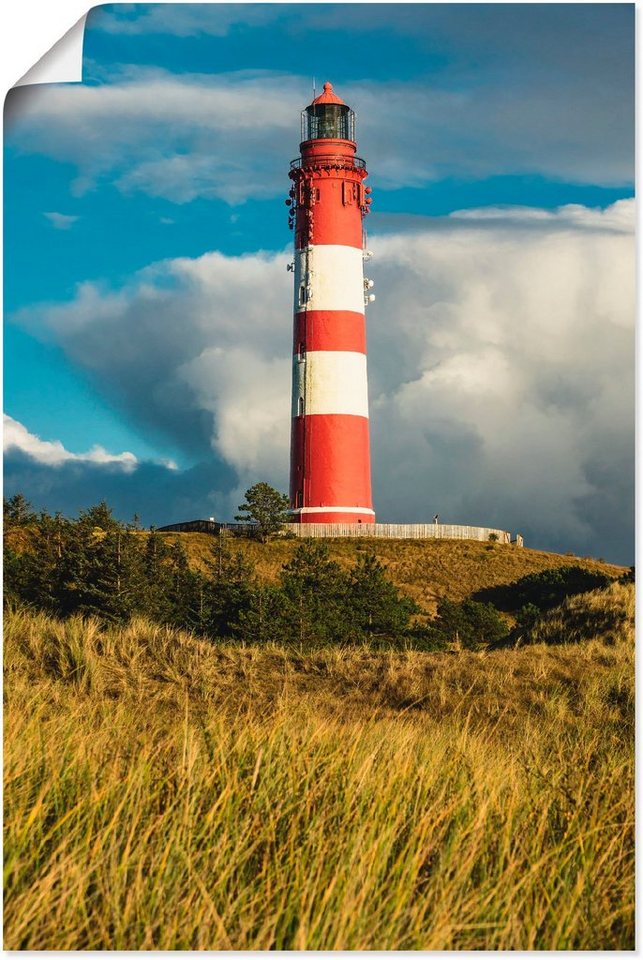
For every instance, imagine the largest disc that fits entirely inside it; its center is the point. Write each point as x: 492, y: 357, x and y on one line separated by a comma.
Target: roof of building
x: 328, y: 96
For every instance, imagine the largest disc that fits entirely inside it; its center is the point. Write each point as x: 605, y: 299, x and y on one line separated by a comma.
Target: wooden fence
x: 390, y: 531
x: 399, y: 531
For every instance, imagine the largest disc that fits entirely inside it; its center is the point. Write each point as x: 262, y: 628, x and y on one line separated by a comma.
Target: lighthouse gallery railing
x: 331, y: 160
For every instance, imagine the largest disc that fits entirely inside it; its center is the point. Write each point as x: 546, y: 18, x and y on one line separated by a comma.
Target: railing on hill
x: 389, y: 531
x: 400, y: 531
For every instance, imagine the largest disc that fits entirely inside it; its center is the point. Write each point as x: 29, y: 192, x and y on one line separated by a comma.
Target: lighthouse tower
x: 330, y: 471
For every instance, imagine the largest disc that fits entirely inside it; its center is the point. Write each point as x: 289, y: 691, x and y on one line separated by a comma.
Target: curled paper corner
x: 63, y: 63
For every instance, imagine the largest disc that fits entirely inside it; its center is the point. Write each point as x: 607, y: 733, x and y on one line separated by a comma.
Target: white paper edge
x: 63, y: 63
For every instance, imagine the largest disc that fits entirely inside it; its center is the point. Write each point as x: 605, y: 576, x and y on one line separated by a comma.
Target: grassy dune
x: 424, y: 569
x: 166, y: 793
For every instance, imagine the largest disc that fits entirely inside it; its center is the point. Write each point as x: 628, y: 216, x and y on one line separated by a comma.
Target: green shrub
x: 469, y: 623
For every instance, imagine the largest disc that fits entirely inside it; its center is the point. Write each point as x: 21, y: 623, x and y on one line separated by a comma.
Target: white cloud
x: 172, y: 136
x: 196, y: 350
x: 231, y: 135
x: 61, y: 221
x: 53, y: 453
x: 506, y: 391
x: 500, y: 366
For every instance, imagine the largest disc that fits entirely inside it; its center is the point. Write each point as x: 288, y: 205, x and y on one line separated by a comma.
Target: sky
x: 148, y: 309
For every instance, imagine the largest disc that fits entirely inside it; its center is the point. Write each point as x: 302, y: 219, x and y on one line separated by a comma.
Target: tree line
x: 96, y: 565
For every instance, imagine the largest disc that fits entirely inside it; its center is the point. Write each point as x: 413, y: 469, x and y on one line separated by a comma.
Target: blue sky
x: 148, y: 307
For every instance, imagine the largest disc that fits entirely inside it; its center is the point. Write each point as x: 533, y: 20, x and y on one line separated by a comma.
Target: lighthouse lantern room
x: 330, y: 472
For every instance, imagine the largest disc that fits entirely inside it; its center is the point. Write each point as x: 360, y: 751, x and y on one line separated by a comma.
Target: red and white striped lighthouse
x: 330, y: 470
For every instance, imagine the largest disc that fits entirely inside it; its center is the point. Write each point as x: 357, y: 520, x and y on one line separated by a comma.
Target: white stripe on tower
x: 330, y: 381
x: 335, y: 509
x: 329, y: 277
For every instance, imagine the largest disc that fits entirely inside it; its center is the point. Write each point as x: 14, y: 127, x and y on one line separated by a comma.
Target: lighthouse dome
x: 328, y: 96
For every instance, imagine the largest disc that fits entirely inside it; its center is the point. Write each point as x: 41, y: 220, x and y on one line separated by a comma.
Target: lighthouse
x: 330, y: 470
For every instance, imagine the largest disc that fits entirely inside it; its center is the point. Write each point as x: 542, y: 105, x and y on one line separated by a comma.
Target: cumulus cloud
x: 500, y: 368
x: 53, y: 478
x: 157, y: 494
x: 504, y: 391
x: 53, y: 453
x: 195, y: 351
x: 173, y: 136
x: 226, y: 135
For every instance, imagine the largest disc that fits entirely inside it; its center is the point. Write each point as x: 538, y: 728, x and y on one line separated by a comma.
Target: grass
x: 166, y: 793
x: 606, y: 616
x: 425, y: 570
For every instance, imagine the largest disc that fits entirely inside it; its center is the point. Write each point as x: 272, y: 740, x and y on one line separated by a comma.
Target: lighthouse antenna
x: 314, y: 90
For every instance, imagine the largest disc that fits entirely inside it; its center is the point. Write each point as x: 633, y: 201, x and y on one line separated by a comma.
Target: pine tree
x: 186, y: 592
x: 112, y: 576
x: 104, y: 570
x: 378, y: 608
x: 265, y: 507
x: 268, y: 617
x: 230, y: 579
x: 157, y: 587
x: 469, y: 623
x: 17, y: 512
x: 35, y: 574
x: 315, y: 605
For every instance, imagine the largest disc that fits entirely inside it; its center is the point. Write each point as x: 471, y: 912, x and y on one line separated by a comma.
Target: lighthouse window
x: 303, y: 294
x: 302, y: 351
x: 334, y: 121
x: 301, y: 407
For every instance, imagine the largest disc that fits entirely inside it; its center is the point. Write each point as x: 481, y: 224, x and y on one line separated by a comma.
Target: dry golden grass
x: 605, y: 616
x: 167, y: 793
x: 424, y: 569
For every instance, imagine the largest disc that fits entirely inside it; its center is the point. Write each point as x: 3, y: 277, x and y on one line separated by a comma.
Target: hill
x: 425, y: 570
x: 162, y: 792
x: 305, y: 592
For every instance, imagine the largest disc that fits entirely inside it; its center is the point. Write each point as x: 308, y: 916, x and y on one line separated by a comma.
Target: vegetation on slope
x: 164, y: 792
x: 603, y: 616
x: 307, y: 592
x: 425, y: 570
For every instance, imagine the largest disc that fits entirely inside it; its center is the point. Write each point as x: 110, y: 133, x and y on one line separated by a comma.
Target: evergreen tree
x: 112, y: 575
x: 34, y: 574
x: 269, y: 617
x: 470, y: 623
x: 265, y: 507
x: 377, y: 607
x: 99, y: 517
x: 315, y: 606
x: 230, y: 579
x: 17, y: 512
x: 103, y: 571
x: 181, y: 595
x: 156, y: 592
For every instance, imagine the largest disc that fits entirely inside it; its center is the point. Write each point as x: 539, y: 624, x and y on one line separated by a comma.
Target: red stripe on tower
x: 330, y: 471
